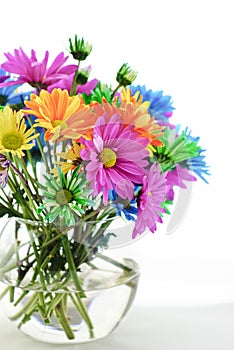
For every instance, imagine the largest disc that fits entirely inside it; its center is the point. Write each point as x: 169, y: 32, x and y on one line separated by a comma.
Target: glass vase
x: 49, y: 301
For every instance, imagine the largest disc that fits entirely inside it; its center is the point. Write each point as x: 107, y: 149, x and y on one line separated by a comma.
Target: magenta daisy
x: 152, y: 195
x: 116, y: 157
x: 36, y: 73
x: 176, y: 177
x: 66, y: 83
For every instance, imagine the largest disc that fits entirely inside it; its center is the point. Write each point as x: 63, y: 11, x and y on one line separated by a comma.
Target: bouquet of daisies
x: 75, y: 151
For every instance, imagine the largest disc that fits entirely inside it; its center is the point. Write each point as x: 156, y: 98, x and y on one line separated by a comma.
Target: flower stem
x: 25, y: 171
x: 30, y: 158
x: 74, y: 84
x: 113, y: 261
x: 26, y: 186
x: 5, y: 291
x: 40, y: 146
x: 71, y: 265
x: 55, y: 150
x: 38, y: 267
x: 115, y: 90
x: 55, y: 301
x: 28, y: 307
x: 62, y: 318
x: 49, y: 154
x: 81, y: 308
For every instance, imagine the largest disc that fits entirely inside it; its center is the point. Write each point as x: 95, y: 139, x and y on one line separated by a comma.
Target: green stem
x: 7, y: 268
x: 5, y: 201
x: 29, y: 177
x: 88, y: 216
x: 26, y: 187
x: 62, y: 318
x: 28, y: 307
x: 5, y: 291
x: 74, y: 84
x: 113, y: 262
x: 21, y: 201
x: 115, y: 90
x: 12, y: 294
x: 52, y: 240
x: 40, y: 146
x: 21, y: 297
x: 71, y: 265
x: 30, y: 158
x: 49, y: 154
x: 3, y: 191
x: 81, y: 308
x: 55, y: 151
x: 38, y: 267
x: 9, y: 206
x: 55, y: 301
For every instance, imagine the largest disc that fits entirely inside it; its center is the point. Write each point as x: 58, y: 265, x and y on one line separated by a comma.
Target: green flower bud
x: 79, y: 49
x: 82, y: 76
x: 125, y: 75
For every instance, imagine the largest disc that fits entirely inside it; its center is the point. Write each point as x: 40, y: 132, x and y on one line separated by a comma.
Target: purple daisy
x: 33, y: 72
x: 151, y: 196
x: 4, y: 166
x: 115, y: 157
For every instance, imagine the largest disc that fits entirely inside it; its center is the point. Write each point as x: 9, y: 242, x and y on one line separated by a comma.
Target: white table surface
x: 159, y: 328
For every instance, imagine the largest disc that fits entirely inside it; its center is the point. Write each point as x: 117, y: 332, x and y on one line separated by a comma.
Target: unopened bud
x: 126, y: 75
x: 82, y: 76
x: 79, y: 49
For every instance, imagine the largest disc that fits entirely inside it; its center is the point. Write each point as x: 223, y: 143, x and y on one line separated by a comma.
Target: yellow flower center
x: 12, y: 140
x: 61, y: 123
x: 63, y: 197
x: 149, y: 193
x: 107, y: 157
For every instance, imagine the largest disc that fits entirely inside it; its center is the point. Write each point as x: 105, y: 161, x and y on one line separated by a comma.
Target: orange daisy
x: 80, y: 124
x: 53, y: 111
x: 134, y: 114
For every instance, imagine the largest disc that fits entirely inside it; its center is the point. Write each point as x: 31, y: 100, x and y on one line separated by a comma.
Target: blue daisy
x: 8, y: 94
x: 196, y: 164
x: 124, y: 208
x: 160, y: 106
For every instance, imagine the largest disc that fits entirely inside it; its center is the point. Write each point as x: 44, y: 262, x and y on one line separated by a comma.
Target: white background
x: 184, y: 48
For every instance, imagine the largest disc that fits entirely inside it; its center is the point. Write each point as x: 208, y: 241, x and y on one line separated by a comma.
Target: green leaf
x: 18, y: 195
x: 4, y: 210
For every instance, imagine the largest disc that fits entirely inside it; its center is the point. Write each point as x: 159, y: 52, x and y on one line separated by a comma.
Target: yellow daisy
x: 14, y: 136
x: 72, y: 157
x: 126, y: 96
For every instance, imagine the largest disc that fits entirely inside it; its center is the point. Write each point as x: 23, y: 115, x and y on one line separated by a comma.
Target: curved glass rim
x: 46, y: 223
x: 125, y: 278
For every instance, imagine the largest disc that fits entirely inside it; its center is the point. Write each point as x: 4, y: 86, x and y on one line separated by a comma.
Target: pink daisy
x: 176, y: 178
x: 36, y: 73
x: 115, y: 157
x: 152, y: 194
x: 66, y: 83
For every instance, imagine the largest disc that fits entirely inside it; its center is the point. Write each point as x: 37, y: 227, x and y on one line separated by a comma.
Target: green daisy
x: 65, y: 197
x: 176, y: 149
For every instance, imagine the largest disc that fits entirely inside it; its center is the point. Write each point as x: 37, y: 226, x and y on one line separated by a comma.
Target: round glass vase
x: 56, y: 299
